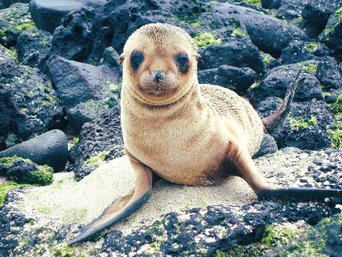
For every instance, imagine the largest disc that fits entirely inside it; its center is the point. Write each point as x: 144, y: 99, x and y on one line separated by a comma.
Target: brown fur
x: 183, y: 136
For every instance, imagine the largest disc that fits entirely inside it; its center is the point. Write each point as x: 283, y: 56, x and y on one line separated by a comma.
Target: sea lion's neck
x: 138, y: 107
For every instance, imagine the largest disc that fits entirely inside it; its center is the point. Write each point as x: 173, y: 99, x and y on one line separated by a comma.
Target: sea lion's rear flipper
x: 122, y: 207
x: 300, y: 194
x: 243, y: 166
x: 272, y: 122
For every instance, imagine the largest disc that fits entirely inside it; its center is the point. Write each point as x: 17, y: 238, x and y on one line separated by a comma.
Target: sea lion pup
x: 178, y: 130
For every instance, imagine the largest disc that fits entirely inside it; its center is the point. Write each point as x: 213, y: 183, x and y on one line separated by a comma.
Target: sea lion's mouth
x: 156, y: 90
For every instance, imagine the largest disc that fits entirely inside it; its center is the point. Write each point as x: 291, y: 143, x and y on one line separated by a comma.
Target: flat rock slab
x: 66, y: 201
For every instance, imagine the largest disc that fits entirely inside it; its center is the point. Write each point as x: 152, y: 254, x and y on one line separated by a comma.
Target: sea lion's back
x: 229, y: 105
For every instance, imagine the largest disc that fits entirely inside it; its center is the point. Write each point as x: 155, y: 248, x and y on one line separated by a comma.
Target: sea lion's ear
x: 121, y: 58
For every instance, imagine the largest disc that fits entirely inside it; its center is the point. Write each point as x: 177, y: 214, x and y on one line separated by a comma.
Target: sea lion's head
x: 159, y: 63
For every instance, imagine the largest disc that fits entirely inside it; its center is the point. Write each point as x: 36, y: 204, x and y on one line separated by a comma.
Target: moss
x: 235, y: 23
x: 75, y: 215
x: 267, y: 59
x: 255, y: 2
x: 336, y: 136
x: 5, y: 187
x: 9, y: 161
x: 43, y: 43
x: 312, y: 47
x: 301, y: 124
x: 255, y: 85
x: 25, y: 26
x: 336, y: 107
x: 64, y: 251
x: 206, y: 39
x: 238, y: 32
x: 2, y: 33
x: 43, y: 176
x: 338, y: 12
x: 96, y: 160
x: 311, y: 68
x: 75, y: 140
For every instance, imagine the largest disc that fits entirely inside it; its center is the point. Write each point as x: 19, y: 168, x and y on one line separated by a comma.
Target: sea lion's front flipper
x: 122, y: 207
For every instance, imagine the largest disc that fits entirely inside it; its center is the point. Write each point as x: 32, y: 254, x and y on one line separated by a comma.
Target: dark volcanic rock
x: 102, y: 135
x: 280, y: 78
x: 50, y: 148
x: 332, y: 34
x: 48, y: 15
x: 328, y: 73
x: 306, y: 127
x: 8, y: 3
x: 85, y: 34
x: 271, y: 4
x: 13, y: 21
x: 316, y: 13
x: 237, y: 79
x: 33, y: 47
x: 73, y: 39
x: 237, y: 52
x: 25, y: 171
x: 268, y: 106
x: 298, y: 51
x: 291, y: 9
x: 85, y: 90
x: 29, y: 104
x: 269, y: 34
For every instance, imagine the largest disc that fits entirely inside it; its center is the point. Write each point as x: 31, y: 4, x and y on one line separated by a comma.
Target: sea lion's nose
x: 158, y: 75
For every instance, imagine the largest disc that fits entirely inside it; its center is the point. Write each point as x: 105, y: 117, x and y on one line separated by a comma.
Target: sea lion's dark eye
x: 137, y: 58
x: 182, y: 61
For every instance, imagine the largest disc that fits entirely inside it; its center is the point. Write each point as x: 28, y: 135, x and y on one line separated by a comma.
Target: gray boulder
x: 13, y: 21
x: 237, y: 52
x: 306, y: 127
x: 33, y: 47
x: 316, y: 13
x: 332, y: 34
x: 100, y: 139
x: 28, y: 103
x: 269, y: 34
x: 47, y: 15
x: 291, y: 9
x: 281, y: 77
x: 50, y: 149
x: 299, y: 51
x: 8, y: 3
x: 328, y: 73
x: 85, y: 90
x: 237, y: 79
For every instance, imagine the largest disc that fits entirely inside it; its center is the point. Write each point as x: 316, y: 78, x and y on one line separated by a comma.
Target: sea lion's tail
x: 272, y: 122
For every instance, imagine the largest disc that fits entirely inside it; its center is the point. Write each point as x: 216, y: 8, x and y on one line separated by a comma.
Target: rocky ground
x: 59, y: 69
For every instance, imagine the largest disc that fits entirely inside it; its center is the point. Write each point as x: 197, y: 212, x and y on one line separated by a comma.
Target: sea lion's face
x: 159, y: 63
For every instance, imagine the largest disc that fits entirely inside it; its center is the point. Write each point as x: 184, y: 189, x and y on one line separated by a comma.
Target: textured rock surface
x: 49, y: 148
x: 237, y: 79
x: 48, y: 15
x: 185, y: 230
x: 13, y: 21
x: 307, y: 121
x: 85, y: 90
x: 29, y: 104
x: 102, y: 135
x: 33, y: 47
x: 332, y: 34
x: 281, y: 77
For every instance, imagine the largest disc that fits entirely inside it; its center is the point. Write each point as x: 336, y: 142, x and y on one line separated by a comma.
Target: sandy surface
x: 67, y: 201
